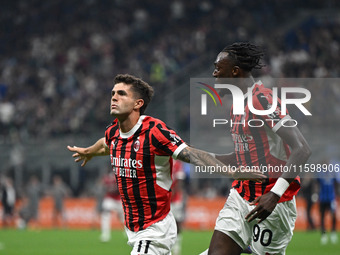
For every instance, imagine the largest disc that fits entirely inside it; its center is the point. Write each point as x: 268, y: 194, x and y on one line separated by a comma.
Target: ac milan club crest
x: 136, y: 145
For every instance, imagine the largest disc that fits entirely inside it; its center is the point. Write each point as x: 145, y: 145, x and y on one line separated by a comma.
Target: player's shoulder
x: 260, y: 93
x: 259, y: 88
x: 113, y: 124
x: 112, y: 128
x: 152, y: 121
x: 156, y: 126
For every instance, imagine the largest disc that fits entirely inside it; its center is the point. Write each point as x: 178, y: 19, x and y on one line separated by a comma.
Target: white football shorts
x: 157, y: 239
x: 271, y: 236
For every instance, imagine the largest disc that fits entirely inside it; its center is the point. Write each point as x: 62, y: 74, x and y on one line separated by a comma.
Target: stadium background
x: 58, y: 59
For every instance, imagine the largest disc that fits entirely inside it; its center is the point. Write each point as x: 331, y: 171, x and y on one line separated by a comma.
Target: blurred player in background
x: 272, y: 201
x: 308, y: 189
x: 59, y: 192
x: 141, y: 149
x: 29, y: 211
x: 178, y: 201
x: 327, y: 201
x: 8, y: 198
x: 97, y: 190
x: 111, y: 203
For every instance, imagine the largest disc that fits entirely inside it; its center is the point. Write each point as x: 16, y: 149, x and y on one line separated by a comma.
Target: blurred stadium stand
x: 58, y: 59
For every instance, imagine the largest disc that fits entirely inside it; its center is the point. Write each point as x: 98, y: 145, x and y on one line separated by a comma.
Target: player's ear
x: 139, y: 103
x: 236, y: 71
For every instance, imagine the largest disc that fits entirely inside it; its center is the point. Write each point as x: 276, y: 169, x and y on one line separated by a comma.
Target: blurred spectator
x: 55, y: 54
x: 58, y: 54
x: 7, y: 112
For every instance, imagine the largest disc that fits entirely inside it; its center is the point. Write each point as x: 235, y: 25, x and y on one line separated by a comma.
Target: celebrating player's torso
x: 141, y: 160
x: 256, y: 144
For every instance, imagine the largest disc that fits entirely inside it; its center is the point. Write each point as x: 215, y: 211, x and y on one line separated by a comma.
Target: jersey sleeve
x: 166, y: 141
x: 264, y: 101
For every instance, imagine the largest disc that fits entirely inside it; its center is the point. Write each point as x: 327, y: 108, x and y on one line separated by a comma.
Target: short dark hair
x: 246, y: 55
x: 140, y: 87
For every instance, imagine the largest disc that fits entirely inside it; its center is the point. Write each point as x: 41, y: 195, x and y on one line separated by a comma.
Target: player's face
x: 223, y: 67
x: 123, y: 100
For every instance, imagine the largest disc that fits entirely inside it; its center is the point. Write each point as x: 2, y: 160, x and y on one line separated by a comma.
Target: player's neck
x: 126, y: 124
x: 246, y: 82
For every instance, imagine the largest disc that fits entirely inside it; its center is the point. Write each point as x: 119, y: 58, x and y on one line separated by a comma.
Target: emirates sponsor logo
x: 126, y: 162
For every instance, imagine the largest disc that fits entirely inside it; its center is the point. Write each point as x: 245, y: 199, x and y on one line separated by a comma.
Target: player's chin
x: 114, y: 112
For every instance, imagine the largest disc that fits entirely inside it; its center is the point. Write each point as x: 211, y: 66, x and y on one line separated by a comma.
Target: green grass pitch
x: 86, y: 242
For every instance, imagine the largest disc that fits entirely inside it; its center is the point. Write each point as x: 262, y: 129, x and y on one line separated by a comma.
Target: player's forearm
x: 201, y: 158
x: 300, y: 151
x: 227, y: 159
x: 98, y: 149
x: 297, y: 159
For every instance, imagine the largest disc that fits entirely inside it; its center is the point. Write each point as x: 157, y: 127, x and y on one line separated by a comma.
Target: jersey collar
x: 259, y: 82
x: 134, y: 129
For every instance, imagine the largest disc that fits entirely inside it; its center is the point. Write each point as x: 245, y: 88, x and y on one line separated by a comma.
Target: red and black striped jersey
x: 142, y: 162
x: 257, y: 145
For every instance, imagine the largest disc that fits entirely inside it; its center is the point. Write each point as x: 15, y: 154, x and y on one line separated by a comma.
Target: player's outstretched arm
x: 86, y: 154
x: 201, y: 158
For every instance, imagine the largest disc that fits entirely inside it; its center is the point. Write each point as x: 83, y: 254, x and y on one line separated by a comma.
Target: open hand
x: 80, y: 154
